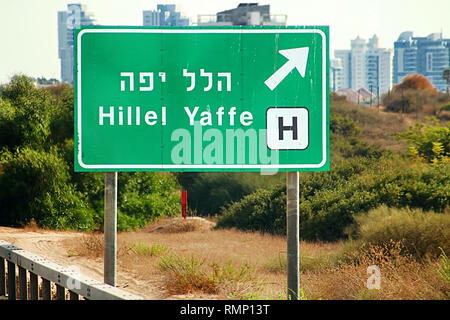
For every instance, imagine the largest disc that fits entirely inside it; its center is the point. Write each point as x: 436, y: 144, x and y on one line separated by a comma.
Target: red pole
x: 184, y: 203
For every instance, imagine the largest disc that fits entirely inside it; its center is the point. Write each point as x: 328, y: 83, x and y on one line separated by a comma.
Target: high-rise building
x: 358, y: 63
x: 246, y: 14
x: 346, y: 77
x: 165, y: 15
x: 428, y: 56
x: 378, y: 67
x: 75, y: 16
x: 365, y: 65
x: 336, y: 70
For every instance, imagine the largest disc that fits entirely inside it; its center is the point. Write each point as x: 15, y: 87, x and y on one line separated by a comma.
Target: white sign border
x: 204, y: 166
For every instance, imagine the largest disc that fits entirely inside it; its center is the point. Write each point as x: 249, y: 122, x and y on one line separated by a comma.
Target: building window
x: 429, y: 61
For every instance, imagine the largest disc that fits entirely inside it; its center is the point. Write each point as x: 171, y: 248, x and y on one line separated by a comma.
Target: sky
x: 29, y: 35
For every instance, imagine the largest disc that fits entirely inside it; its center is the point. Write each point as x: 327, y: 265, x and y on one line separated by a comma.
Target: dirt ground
x: 53, y: 246
x: 136, y: 274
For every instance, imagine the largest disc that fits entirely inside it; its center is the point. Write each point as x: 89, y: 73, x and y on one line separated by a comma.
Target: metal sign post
x: 110, y: 228
x: 292, y: 221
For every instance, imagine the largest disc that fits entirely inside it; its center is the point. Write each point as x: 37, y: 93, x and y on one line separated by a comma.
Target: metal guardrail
x: 64, y: 278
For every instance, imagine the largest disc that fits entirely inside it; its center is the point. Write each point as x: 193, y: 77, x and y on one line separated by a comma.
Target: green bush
x: 352, y: 147
x: 9, y: 129
x: 208, y: 192
x: 421, y: 233
x: 326, y: 214
x: 62, y: 124
x: 344, y: 136
x: 343, y: 125
x: 37, y: 180
x: 329, y: 201
x: 429, y: 141
x: 145, y: 196
x: 25, y: 115
x: 262, y: 210
x: 35, y: 185
x: 409, y: 100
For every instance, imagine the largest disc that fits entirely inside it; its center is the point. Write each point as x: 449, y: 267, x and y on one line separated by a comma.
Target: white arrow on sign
x: 297, y: 58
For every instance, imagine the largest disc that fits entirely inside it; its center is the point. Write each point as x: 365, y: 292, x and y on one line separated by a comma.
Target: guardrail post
x: 11, y: 281
x: 46, y: 290
x: 73, y: 296
x: 23, y: 290
x: 34, y: 289
x: 60, y: 292
x: 2, y: 278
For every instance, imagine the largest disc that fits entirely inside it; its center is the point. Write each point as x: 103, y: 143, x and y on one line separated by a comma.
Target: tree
x: 414, y: 94
x: 26, y: 114
x: 415, y: 81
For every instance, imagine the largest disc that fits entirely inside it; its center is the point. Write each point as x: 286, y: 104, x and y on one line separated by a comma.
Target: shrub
x: 144, y: 197
x: 34, y: 185
x: 262, y: 210
x: 326, y: 214
x: 411, y: 100
x: 37, y: 181
x: 329, y: 201
x: 414, y: 94
x: 208, y: 192
x: 63, y: 118
x: 430, y: 141
x: 343, y: 125
x: 416, y: 82
x: 26, y: 115
x: 421, y: 233
x: 187, y: 275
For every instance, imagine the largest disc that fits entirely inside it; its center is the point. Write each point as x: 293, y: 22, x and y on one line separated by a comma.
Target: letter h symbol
x: 282, y: 128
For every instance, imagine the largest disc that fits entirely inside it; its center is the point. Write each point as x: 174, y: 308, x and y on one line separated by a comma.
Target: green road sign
x: 201, y: 99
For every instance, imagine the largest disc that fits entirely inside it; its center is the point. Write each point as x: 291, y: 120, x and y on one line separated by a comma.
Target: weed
x: 140, y: 248
x: 155, y: 250
x: 277, y: 264
x: 91, y: 245
x: 444, y: 270
x: 187, y: 275
x: 158, y: 249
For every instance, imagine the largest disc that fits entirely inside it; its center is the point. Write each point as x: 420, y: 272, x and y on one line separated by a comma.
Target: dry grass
x: 176, y: 225
x: 221, y: 264
x: 90, y: 245
x: 32, y: 226
x: 402, y: 277
x: 377, y: 126
x: 226, y: 264
x: 190, y: 275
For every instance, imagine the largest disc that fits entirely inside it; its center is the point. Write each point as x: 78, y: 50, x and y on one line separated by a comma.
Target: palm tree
x: 446, y: 77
